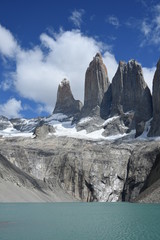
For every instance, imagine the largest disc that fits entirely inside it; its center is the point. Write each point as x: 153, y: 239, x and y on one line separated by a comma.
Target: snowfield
x: 63, y: 127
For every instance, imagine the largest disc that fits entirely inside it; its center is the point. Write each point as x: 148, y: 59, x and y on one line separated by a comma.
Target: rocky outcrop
x: 155, y: 125
x: 66, y: 103
x: 131, y: 93
x: 4, y: 123
x: 42, y: 131
x: 96, y: 84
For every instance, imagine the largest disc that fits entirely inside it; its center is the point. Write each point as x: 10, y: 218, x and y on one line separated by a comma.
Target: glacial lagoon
x: 79, y: 221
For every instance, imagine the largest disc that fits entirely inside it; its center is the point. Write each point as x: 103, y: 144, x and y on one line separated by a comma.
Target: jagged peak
x: 64, y: 82
x: 98, y: 55
x: 122, y: 62
x: 133, y: 62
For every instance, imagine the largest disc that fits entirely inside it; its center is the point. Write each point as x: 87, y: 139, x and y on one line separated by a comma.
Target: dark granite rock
x: 105, y: 108
x: 131, y: 93
x: 96, y: 83
x: 155, y: 125
x: 140, y: 128
x: 66, y: 103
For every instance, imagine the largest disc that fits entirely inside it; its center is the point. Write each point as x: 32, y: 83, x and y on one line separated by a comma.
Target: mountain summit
x: 96, y: 83
x: 66, y: 103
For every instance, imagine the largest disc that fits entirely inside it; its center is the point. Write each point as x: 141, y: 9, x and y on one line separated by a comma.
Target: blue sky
x: 42, y: 42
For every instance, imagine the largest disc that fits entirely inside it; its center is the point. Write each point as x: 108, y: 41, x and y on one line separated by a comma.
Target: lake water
x: 79, y: 221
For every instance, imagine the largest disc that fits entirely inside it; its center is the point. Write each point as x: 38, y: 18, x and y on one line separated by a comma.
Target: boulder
x: 43, y: 130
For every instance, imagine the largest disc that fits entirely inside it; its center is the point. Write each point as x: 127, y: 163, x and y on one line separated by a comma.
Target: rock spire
x: 96, y: 83
x: 130, y: 92
x: 66, y: 103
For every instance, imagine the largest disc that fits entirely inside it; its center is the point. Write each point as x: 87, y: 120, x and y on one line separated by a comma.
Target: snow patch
x: 12, y: 132
x: 109, y: 120
x: 85, y: 120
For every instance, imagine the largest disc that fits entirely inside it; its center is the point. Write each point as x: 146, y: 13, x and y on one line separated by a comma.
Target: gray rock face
x: 43, y: 131
x: 26, y: 125
x: 17, y: 185
x: 118, y: 125
x: 87, y: 170
x: 4, y: 123
x: 155, y: 125
x: 143, y: 169
x: 130, y: 92
x: 66, y: 103
x: 96, y: 83
x: 105, y: 108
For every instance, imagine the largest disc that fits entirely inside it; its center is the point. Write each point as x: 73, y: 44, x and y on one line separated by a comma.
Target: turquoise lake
x: 79, y: 221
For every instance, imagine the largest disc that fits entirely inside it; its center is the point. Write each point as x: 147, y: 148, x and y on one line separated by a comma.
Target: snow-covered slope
x: 62, y: 124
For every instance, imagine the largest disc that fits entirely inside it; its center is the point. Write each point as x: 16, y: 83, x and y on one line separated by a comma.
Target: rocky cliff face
x: 96, y: 83
x: 155, y: 126
x: 131, y: 93
x: 95, y: 171
x: 66, y: 103
x: 129, y: 90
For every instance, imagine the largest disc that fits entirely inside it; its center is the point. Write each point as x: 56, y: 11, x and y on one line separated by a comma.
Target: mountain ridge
x: 105, y: 150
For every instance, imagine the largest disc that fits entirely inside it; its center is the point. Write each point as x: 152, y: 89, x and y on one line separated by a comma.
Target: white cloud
x: 146, y: 28
x: 76, y: 17
x: 8, y: 44
x: 148, y: 76
x: 11, y: 108
x: 37, y: 75
x: 113, y: 20
x: 39, y: 70
x: 111, y: 64
x: 150, y: 27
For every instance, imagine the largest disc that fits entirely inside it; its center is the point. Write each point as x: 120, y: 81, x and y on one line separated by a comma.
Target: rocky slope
x: 19, y: 186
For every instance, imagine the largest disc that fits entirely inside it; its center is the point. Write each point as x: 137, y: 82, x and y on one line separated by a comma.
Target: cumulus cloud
x: 39, y: 70
x: 38, y: 74
x: 76, y: 17
x: 8, y: 44
x: 11, y: 108
x: 113, y: 20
